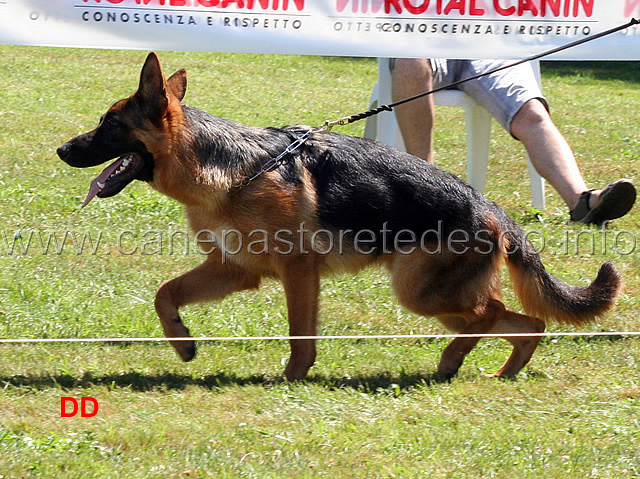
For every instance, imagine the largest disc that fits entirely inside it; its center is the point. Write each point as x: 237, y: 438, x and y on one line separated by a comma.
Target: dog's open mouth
x: 115, y: 177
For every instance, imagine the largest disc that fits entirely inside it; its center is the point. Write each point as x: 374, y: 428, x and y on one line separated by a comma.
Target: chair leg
x: 371, y: 123
x: 537, y: 186
x: 387, y: 130
x: 478, y: 122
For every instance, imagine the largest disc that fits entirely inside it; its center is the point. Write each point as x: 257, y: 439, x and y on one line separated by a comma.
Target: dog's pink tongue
x: 98, y: 183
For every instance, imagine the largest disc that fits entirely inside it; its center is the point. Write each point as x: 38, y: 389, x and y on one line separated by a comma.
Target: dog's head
x: 132, y: 131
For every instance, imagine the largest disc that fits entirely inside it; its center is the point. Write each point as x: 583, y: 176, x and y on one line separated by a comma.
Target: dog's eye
x: 110, y: 120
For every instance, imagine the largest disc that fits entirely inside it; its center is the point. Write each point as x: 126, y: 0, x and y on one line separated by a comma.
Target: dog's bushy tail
x: 546, y: 297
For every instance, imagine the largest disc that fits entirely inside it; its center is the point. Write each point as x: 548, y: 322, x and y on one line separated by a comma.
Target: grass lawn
x: 370, y: 408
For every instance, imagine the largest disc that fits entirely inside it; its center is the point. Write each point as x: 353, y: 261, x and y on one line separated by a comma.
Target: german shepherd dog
x: 336, y: 203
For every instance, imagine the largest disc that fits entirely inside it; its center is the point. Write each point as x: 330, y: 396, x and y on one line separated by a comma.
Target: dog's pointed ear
x: 177, y: 84
x: 152, y: 91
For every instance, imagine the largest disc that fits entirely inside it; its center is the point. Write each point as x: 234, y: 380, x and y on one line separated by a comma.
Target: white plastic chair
x: 384, y: 128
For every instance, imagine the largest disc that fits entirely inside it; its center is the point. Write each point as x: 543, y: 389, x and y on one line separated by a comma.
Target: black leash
x: 305, y: 134
x: 389, y: 107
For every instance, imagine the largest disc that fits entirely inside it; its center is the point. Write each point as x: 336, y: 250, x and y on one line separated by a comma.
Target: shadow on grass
x: 377, y: 383
x: 383, y: 382
x: 141, y: 382
x: 135, y: 381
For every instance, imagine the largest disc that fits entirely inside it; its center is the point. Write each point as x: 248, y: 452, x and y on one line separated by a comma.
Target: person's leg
x: 513, y: 97
x: 549, y: 152
x: 553, y: 159
x: 415, y: 119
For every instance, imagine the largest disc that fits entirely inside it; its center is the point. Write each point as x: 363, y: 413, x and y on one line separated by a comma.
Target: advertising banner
x: 373, y: 28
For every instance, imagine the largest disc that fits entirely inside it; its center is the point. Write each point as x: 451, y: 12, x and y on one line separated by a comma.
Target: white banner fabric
x: 505, y: 29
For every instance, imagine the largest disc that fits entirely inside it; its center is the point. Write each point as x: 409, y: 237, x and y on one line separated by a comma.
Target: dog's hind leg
x: 462, y: 291
x: 214, y: 279
x: 301, y: 283
x: 455, y: 352
x: 523, y: 346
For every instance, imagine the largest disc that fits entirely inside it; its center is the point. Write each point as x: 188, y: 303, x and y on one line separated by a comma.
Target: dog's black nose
x: 63, y: 151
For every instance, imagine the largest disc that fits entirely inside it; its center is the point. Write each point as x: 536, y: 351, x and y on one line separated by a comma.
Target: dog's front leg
x: 301, y: 285
x: 214, y: 279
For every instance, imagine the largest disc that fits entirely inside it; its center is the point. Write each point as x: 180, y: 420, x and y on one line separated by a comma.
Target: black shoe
x: 615, y: 201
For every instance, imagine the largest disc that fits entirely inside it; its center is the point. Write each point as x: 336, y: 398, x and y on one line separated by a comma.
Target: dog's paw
x: 185, y: 349
x: 294, y: 373
x: 442, y: 378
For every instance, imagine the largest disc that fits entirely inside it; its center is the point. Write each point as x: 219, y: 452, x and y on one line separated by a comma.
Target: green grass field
x: 370, y: 407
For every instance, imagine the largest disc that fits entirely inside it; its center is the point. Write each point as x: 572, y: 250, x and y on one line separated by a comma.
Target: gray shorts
x: 502, y: 94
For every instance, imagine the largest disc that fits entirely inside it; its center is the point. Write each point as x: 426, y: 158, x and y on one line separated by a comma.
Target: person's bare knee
x: 416, y: 70
x: 531, y: 117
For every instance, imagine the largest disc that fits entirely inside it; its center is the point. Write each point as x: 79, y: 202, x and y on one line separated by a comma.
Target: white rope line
x: 327, y: 337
